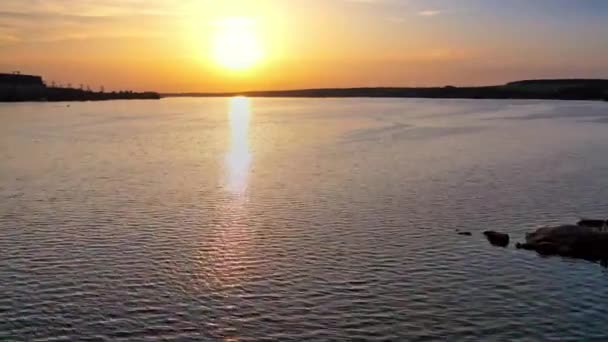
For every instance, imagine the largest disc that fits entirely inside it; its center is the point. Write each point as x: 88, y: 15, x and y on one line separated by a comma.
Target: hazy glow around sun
x: 236, y: 44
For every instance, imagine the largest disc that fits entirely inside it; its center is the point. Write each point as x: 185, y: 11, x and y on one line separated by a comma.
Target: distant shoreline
x: 28, y: 88
x: 16, y: 87
x: 556, y: 89
x: 74, y: 95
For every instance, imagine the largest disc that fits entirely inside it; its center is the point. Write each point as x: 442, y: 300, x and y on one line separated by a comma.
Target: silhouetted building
x: 14, y: 87
x: 20, y: 80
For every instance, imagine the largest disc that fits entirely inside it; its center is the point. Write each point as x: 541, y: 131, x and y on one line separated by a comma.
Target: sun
x: 236, y: 44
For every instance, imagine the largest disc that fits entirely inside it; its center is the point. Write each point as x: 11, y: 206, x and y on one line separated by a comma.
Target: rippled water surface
x: 297, y: 219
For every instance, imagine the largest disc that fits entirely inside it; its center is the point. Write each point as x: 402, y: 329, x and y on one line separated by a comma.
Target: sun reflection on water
x: 238, y: 159
x: 228, y: 258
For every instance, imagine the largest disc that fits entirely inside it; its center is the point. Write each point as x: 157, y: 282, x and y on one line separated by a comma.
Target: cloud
x: 87, y: 7
x: 429, y: 13
x: 51, y: 20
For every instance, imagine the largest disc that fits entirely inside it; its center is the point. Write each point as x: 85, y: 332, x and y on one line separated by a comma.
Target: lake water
x: 297, y: 219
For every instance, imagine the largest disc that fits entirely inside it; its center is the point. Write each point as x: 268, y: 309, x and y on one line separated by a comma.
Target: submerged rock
x: 576, y: 241
x: 497, y: 239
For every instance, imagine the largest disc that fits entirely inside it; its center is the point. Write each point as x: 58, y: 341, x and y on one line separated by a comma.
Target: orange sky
x: 158, y: 45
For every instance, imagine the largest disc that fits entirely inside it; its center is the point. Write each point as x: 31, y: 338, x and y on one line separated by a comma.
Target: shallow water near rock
x: 297, y: 219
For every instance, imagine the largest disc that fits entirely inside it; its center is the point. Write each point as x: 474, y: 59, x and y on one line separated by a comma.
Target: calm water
x: 297, y: 219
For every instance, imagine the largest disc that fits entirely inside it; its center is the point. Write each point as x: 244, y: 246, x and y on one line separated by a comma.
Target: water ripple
x: 126, y: 221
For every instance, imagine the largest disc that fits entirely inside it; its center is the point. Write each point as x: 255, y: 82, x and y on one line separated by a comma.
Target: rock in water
x: 465, y: 233
x: 497, y: 239
x: 592, y: 223
x: 569, y: 240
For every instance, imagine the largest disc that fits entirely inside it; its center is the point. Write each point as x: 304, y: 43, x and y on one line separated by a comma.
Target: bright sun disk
x: 236, y: 45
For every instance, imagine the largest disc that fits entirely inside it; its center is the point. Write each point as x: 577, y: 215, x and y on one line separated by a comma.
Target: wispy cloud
x: 429, y: 13
x: 51, y: 20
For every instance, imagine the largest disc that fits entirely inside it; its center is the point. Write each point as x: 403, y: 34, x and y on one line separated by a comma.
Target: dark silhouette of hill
x: 558, y: 89
x: 566, y: 82
x: 18, y: 88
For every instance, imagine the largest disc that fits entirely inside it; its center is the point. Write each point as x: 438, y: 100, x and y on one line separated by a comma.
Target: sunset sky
x: 188, y: 45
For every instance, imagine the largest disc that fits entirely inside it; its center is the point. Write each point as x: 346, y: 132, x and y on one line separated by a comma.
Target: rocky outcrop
x: 576, y: 241
x: 592, y: 223
x: 497, y: 239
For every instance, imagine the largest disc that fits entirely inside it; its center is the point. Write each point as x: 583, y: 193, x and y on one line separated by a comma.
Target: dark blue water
x: 290, y: 219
